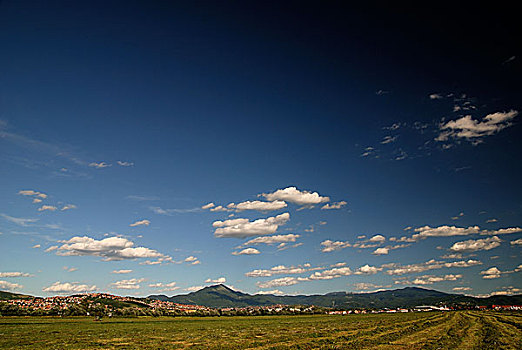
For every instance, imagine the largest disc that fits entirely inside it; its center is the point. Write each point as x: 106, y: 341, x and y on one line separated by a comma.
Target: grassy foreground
x: 453, y: 330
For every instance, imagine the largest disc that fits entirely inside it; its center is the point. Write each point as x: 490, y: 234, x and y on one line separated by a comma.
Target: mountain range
x: 219, y: 296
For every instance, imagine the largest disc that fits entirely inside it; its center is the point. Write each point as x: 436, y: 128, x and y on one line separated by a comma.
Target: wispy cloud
x: 144, y: 222
x: 19, y: 221
x: 247, y: 251
x: 99, y: 165
x: 126, y: 164
x: 170, y: 212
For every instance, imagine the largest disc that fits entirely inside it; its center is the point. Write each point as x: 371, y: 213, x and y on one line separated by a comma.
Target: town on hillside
x: 102, y: 304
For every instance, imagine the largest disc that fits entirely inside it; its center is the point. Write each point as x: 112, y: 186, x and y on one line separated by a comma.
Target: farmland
x: 428, y: 330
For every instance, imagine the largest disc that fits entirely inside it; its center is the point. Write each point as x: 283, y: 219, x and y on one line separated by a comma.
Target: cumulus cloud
x: 112, y: 248
x: 473, y: 130
x: 278, y: 282
x: 133, y: 283
x: 194, y: 288
x: 330, y: 274
x: 272, y: 239
x: 429, y: 279
x: 240, y: 228
x: 367, y: 270
x: 120, y: 272
x: 258, y: 205
x: 398, y: 269
x: 47, y: 207
x: 217, y: 280
x: 68, y: 207
x: 32, y: 193
x: 164, y: 287
x: 99, y: 165
x: 476, y: 245
x: 9, y: 286
x: 330, y: 246
x: 491, y: 273
x: 207, y: 206
x: 381, y: 251
x: 144, y: 222
x: 293, y: 195
x: 444, y: 231
x: 377, y: 238
x: 191, y: 259
x: 516, y: 242
x: 247, y: 251
x: 280, y: 270
x: 15, y: 274
x: 69, y: 287
x: 336, y: 205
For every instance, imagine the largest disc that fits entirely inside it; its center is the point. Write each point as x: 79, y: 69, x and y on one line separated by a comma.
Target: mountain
x: 222, y: 296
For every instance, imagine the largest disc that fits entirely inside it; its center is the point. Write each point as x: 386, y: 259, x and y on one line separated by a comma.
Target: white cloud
x: 69, y: 287
x: 68, y: 207
x: 9, y: 286
x: 171, y: 212
x: 208, y: 206
x: 366, y: 286
x: 257, y: 205
x: 36, y: 246
x: 503, y: 231
x: 381, y: 251
x: 247, y: 251
x: 293, y: 195
x: 336, y: 205
x: 489, y: 221
x: 367, y: 270
x: 112, y: 248
x: 280, y: 270
x: 37, y: 200
x: 429, y: 279
x: 15, y: 274
x: 194, y: 288
x: 144, y: 222
x: 99, y: 165
x: 270, y: 292
x: 32, y: 193
x: 436, y: 97
x: 70, y: 269
x: 330, y: 274
x: 475, y: 245
x: 121, y: 163
x: 120, y: 272
x: 388, y: 139
x: 217, y: 280
x: 164, y: 287
x: 272, y: 239
x: 444, y: 231
x: 378, y: 238
x: 491, y: 273
x: 47, y: 207
x: 472, y: 129
x: 397, y: 269
x: 516, y: 242
x: 239, y: 228
x: 133, y: 283
x: 191, y: 259
x: 462, y: 289
x: 330, y: 246
x: 278, y: 282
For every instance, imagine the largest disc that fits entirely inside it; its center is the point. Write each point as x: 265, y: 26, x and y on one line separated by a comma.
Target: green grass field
x: 453, y: 330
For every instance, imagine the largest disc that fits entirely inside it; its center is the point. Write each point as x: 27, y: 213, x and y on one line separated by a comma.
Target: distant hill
x: 222, y: 296
x: 10, y: 296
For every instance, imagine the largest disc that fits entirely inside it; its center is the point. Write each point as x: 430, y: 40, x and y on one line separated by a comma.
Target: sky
x: 154, y: 147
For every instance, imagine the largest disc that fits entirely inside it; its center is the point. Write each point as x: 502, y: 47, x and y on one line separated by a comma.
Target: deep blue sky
x: 409, y: 115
